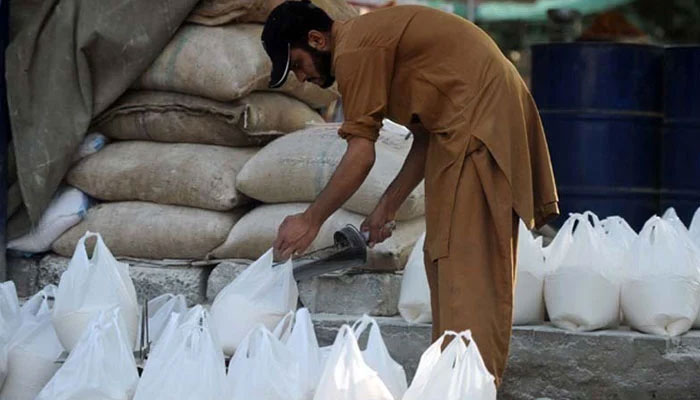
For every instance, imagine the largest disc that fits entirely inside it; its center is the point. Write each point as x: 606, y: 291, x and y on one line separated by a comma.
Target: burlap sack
x: 223, y: 63
x: 257, y: 230
x: 154, y: 231
x: 219, y: 12
x: 173, y: 117
x: 194, y: 175
x: 296, y: 168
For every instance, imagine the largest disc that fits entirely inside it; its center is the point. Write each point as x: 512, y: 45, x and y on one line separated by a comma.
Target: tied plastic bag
x: 186, y: 363
x: 414, y: 300
x: 67, y: 209
x: 620, y: 235
x: 377, y: 357
x: 694, y: 228
x: 582, y: 291
x: 9, y: 320
x: 456, y: 373
x: 91, y: 285
x: 33, y: 350
x: 671, y: 216
x: 661, y: 294
x: 262, y: 294
x: 529, y: 288
x: 100, y: 367
x: 159, y: 312
x: 297, y: 333
x: 263, y: 369
x: 346, y: 376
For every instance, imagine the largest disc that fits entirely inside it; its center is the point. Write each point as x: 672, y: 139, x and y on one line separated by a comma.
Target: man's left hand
x: 295, y: 235
x: 379, y: 224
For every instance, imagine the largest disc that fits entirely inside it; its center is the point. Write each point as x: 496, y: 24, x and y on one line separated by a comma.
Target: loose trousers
x: 472, y: 288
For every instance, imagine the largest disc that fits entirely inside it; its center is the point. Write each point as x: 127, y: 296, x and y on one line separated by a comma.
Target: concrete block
x: 23, y: 271
x: 149, y: 280
x: 223, y: 274
x: 546, y: 362
x: 371, y: 293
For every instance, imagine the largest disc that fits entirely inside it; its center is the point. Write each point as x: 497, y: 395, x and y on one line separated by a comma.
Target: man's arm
x: 298, y: 231
x: 411, y: 174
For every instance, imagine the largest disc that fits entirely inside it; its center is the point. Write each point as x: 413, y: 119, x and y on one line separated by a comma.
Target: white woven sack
x: 261, y: 294
x: 456, y: 373
x: 582, y: 287
x: 377, y: 357
x: 297, y: 167
x: 186, y: 363
x: 100, y: 367
x: 9, y: 321
x: 91, y: 144
x: 414, y: 298
x: 296, y: 331
x: 528, y: 304
x: 67, y: 209
x: 263, y: 368
x: 91, y: 285
x: 661, y: 294
x: 346, y: 376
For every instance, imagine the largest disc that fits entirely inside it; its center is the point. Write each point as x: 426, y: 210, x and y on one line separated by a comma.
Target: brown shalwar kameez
x: 487, y: 163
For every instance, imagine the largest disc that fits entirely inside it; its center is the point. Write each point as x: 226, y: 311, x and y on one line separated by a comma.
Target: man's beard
x: 322, y: 62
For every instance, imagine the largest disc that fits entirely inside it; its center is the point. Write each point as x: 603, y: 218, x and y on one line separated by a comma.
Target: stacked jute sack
x: 289, y: 173
x: 185, y: 130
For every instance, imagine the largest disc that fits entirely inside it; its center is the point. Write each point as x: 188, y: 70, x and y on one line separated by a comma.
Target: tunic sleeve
x: 364, y: 79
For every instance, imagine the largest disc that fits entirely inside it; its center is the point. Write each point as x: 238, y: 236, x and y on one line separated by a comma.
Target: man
x: 478, y: 143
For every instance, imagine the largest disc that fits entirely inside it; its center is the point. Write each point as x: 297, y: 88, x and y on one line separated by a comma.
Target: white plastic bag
x: 92, y: 285
x: 297, y: 333
x: 671, y: 216
x: 377, y: 357
x: 661, y: 294
x: 694, y: 228
x: 186, y: 363
x: 33, y: 349
x: 159, y: 312
x: 456, y: 373
x: 263, y: 368
x: 582, y: 291
x: 618, y: 232
x: 414, y: 300
x: 100, y: 367
x: 528, y: 304
x: 9, y: 321
x: 346, y: 376
x: 67, y: 209
x: 262, y: 294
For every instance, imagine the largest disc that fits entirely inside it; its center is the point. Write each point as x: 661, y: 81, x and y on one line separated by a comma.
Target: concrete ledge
x: 23, y: 271
x: 149, y: 280
x: 549, y: 362
x: 371, y: 293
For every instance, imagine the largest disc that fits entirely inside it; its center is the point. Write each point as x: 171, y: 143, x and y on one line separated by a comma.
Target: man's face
x: 311, y: 65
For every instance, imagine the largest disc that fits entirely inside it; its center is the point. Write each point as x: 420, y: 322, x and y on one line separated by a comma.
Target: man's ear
x: 318, y: 40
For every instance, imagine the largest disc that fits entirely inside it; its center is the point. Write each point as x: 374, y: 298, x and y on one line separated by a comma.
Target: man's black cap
x: 288, y: 22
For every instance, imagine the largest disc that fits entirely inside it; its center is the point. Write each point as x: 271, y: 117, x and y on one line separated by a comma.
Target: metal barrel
x: 601, y: 107
x: 680, y: 155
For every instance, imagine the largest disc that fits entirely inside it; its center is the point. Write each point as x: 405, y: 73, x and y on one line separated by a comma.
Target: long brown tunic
x: 410, y: 63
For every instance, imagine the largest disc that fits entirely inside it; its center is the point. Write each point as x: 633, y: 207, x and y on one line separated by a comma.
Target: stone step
x: 371, y: 293
x: 548, y: 362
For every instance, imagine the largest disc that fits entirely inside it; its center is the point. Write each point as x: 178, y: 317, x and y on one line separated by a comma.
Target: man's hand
x: 295, y: 235
x: 379, y: 224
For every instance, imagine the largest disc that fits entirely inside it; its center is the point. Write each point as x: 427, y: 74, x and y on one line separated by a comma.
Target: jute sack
x: 297, y: 167
x: 154, y: 231
x: 194, y: 175
x: 257, y: 230
x: 173, y: 117
x: 223, y: 63
x: 219, y: 12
